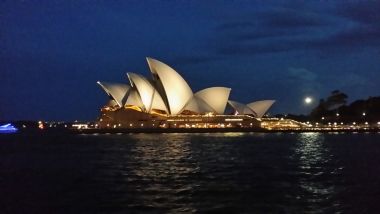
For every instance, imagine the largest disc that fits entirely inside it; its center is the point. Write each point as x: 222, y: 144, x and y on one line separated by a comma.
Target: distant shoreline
x: 213, y: 130
x: 185, y: 130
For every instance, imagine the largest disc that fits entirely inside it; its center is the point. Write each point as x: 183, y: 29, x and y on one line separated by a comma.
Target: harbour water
x: 172, y: 173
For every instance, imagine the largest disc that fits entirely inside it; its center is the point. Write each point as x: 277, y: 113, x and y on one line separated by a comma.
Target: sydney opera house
x: 167, y: 101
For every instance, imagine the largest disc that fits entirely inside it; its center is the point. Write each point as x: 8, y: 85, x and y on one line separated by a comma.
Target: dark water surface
x: 161, y: 173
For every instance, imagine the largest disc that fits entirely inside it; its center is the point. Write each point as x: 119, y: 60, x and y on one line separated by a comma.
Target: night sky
x: 53, y: 52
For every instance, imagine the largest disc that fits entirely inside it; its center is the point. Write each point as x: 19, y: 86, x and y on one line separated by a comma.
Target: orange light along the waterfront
x: 266, y: 123
x: 40, y: 125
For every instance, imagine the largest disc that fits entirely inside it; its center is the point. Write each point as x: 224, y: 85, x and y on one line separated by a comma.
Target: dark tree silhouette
x: 336, y: 100
x: 335, y: 108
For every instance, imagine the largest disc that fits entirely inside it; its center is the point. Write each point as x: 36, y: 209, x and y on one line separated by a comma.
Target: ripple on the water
x: 218, y: 172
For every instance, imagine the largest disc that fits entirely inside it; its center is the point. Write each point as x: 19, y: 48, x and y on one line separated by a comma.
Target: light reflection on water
x: 314, y: 158
x: 311, y: 151
x: 171, y: 173
x: 178, y: 170
x: 157, y: 169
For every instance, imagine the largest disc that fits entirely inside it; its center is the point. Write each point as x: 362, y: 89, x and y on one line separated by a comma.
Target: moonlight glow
x: 308, y: 100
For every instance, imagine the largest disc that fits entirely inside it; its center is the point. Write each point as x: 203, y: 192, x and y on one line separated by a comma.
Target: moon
x: 308, y: 100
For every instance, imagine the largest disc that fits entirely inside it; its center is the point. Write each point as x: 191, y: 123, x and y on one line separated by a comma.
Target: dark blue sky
x: 53, y: 52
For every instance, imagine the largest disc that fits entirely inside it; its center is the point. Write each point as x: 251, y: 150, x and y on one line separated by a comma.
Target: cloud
x: 353, y: 80
x: 303, y: 80
x: 361, y: 11
x: 338, y: 29
x: 190, y: 59
x: 302, y: 74
x: 358, y: 36
x: 241, y: 24
x: 275, y: 30
x: 291, y: 18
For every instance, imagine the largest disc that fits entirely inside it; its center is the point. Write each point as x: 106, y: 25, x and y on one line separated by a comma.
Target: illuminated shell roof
x: 134, y: 99
x: 215, y: 97
x: 197, y: 105
x: 241, y: 108
x: 111, y: 103
x: 118, y: 91
x: 173, y: 88
x: 260, y: 107
x: 148, y: 94
x: 169, y: 92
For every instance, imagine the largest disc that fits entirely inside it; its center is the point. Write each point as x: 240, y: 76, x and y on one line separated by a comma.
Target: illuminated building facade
x: 167, y: 101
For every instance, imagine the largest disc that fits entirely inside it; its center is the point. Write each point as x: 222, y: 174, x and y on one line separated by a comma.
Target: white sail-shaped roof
x: 169, y: 92
x: 134, y: 99
x: 241, y: 108
x: 148, y: 94
x: 117, y: 91
x: 215, y: 97
x: 174, y: 89
x: 261, y: 107
x: 197, y: 105
x: 111, y: 103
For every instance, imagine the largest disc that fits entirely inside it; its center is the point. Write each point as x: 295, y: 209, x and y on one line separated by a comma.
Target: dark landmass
x: 335, y: 109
